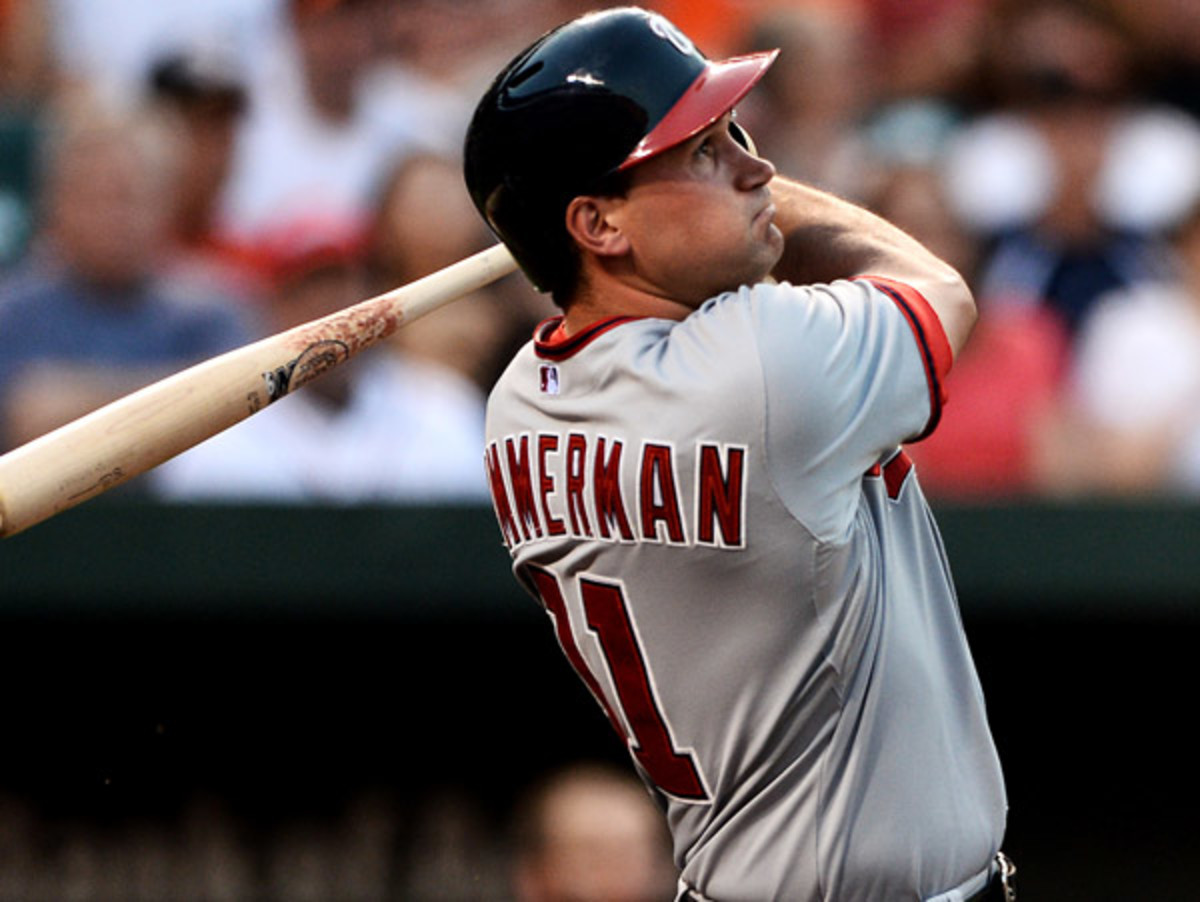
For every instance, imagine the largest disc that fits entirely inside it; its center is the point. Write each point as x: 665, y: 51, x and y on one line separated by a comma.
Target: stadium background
x: 292, y: 666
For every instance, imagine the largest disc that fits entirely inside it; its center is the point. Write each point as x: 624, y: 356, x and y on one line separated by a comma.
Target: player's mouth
x: 764, y: 217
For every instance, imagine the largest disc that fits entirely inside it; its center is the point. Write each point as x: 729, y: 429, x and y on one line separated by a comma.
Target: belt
x: 1002, y: 885
x: 995, y: 883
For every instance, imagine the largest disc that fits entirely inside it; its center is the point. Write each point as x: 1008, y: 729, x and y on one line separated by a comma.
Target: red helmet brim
x: 716, y: 91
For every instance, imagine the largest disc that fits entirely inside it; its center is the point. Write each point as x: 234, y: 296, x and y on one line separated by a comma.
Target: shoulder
x: 815, y: 321
x: 772, y: 303
x: 753, y: 309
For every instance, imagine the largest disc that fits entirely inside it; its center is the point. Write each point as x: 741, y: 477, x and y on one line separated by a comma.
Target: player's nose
x: 753, y: 171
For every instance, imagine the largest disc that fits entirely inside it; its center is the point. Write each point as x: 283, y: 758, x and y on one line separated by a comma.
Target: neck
x: 602, y: 297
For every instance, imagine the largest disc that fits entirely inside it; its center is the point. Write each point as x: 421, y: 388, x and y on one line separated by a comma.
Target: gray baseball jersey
x: 738, y: 561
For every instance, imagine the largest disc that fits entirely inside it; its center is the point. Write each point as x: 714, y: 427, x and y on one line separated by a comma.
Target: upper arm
x: 851, y: 370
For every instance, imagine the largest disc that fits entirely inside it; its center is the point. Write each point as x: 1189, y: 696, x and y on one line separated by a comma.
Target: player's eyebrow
x: 718, y: 126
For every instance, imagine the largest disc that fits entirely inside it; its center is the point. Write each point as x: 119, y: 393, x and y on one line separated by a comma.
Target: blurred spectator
x: 17, y: 838
x: 26, y: 76
x: 1131, y: 424
x: 26, y: 63
x: 924, y: 49
x: 205, y: 98
x: 211, y: 854
x: 905, y: 150
x: 380, y: 427
x: 456, y: 48
x: 451, y: 851
x: 204, y: 851
x: 1058, y: 175
x: 424, y: 222
x: 591, y: 833
x: 88, y: 317
x: 1169, y: 31
x: 108, y: 45
x: 720, y: 27
x: 1004, y: 383
x: 806, y: 113
x: 1003, y: 391
x: 324, y: 126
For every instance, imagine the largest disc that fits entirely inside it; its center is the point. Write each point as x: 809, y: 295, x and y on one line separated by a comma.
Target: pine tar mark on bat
x: 312, y: 362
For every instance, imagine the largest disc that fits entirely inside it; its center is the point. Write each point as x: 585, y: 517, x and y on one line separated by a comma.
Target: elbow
x: 964, y: 296
x: 956, y: 307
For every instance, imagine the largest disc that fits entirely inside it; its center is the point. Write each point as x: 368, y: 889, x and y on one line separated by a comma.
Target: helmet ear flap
x: 524, y: 220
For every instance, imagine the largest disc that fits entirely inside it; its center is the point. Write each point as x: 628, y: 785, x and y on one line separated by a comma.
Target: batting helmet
x: 584, y: 102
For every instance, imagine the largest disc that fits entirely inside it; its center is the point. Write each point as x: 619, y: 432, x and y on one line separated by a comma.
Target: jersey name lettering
x: 549, y: 485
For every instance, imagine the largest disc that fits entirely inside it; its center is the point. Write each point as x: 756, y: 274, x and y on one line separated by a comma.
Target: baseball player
x: 697, y: 469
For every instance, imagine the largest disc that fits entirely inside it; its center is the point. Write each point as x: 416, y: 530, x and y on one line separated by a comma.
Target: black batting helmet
x: 587, y: 100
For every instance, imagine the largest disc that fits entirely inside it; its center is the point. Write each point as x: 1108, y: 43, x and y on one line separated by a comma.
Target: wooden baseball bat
x: 135, y: 433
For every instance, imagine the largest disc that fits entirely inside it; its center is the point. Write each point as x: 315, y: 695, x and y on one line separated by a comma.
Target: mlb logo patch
x: 548, y: 379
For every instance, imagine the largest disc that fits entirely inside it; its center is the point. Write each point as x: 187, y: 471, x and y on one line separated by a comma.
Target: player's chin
x: 774, y: 239
x: 769, y: 249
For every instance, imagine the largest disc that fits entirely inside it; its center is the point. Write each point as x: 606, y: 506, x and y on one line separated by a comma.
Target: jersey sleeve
x: 851, y: 370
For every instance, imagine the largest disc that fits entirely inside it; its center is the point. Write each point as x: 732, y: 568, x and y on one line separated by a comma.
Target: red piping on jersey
x: 551, y: 343
x: 931, y: 339
x: 894, y: 472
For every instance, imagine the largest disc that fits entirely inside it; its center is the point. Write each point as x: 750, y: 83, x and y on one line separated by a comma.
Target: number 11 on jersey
x: 607, y: 616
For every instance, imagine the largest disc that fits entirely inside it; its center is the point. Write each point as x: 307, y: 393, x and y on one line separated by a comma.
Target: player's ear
x: 589, y: 223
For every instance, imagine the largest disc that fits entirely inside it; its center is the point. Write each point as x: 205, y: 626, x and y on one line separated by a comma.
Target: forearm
x: 827, y: 238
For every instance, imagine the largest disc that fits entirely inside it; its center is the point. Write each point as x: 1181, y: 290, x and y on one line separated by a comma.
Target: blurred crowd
x: 177, y: 178
x: 584, y: 832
